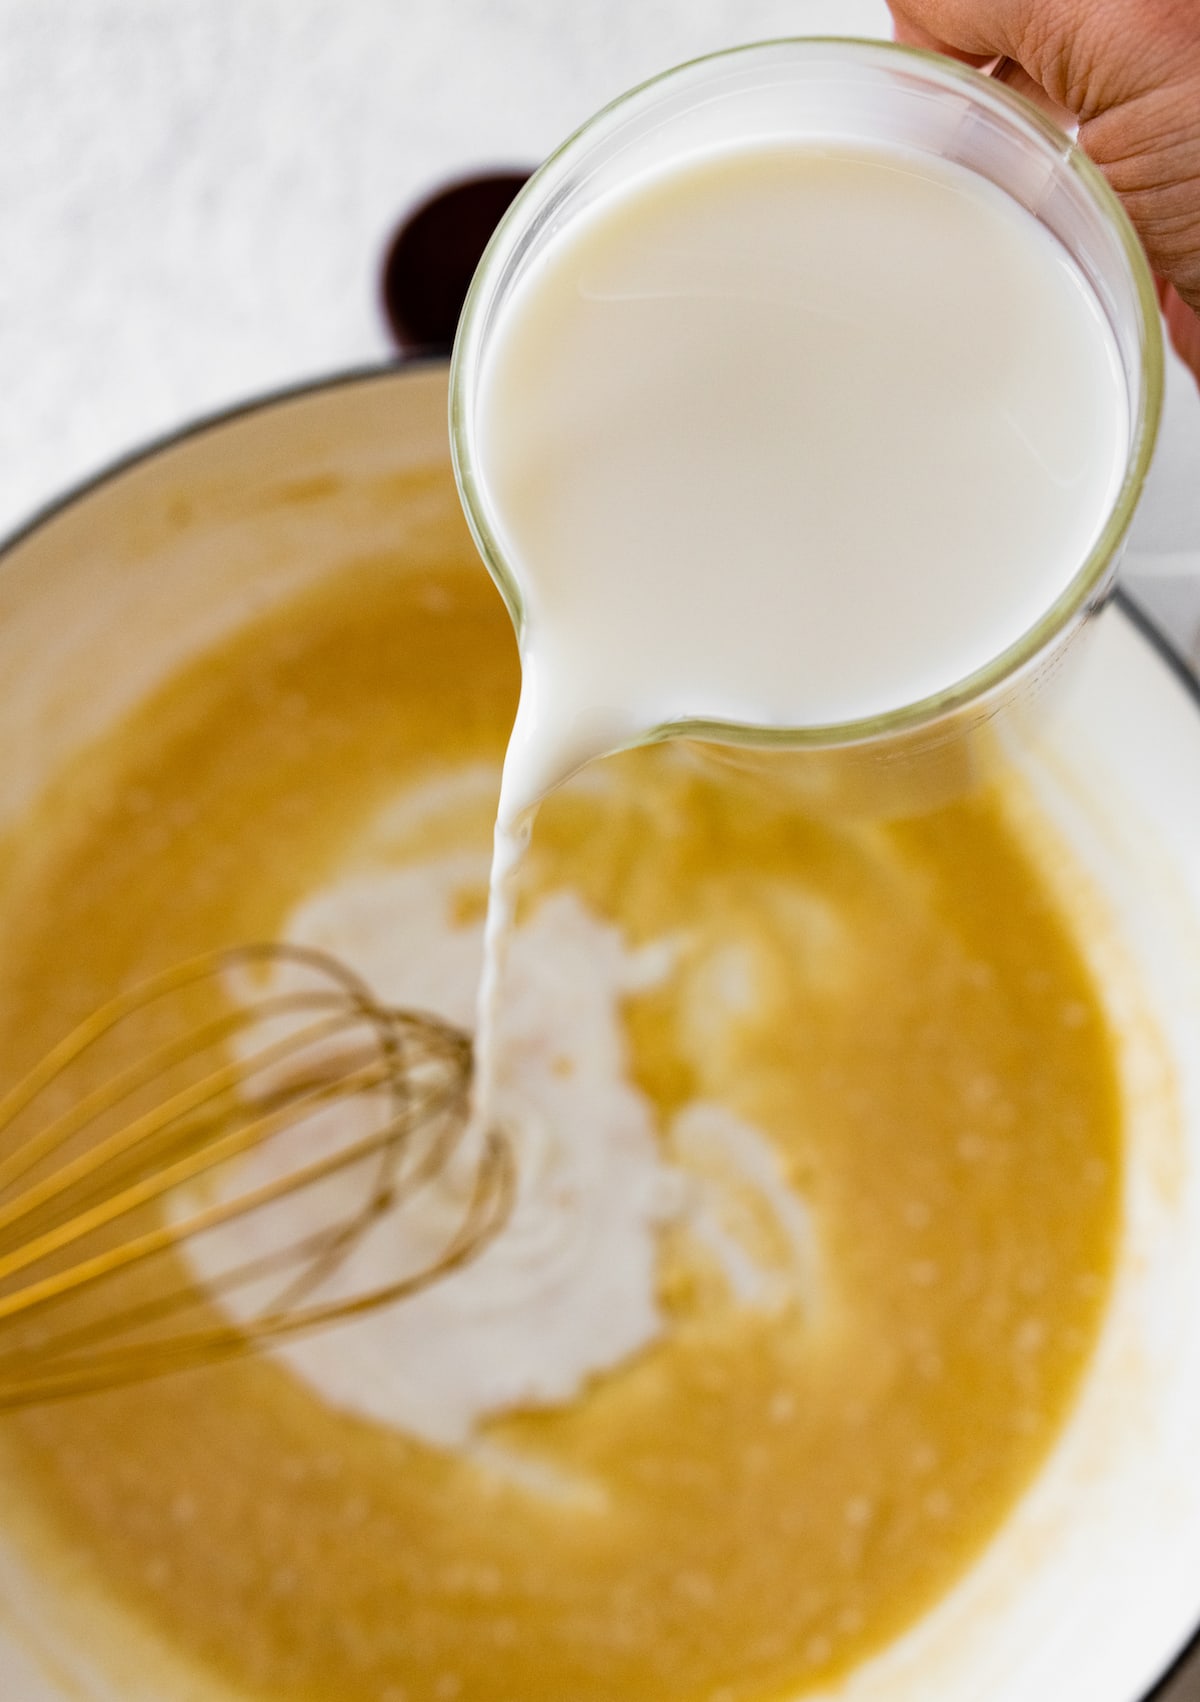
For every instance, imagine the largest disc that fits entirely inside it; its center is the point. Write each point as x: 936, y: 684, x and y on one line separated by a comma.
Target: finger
x: 911, y: 34
x: 973, y: 33
x: 1087, y: 55
x: 1183, y: 324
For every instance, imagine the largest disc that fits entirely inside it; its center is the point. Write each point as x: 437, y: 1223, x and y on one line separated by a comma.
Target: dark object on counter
x: 432, y: 258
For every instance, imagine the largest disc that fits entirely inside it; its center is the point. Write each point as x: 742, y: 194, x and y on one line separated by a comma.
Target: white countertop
x: 195, y: 196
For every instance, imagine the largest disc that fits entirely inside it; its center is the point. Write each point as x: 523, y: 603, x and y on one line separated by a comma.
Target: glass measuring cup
x: 846, y: 92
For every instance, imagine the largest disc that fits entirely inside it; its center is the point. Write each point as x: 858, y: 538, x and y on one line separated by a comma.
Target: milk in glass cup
x: 801, y: 403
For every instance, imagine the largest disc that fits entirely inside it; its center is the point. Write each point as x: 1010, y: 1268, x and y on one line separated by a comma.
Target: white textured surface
x: 195, y: 195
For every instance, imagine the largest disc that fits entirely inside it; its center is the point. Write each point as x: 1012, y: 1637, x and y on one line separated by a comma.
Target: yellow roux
x: 778, y: 1495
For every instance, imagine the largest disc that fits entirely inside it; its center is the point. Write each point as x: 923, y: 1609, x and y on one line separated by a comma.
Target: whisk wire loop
x: 298, y: 1084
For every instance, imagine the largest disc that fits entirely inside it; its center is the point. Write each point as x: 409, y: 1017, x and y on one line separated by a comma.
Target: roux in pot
x: 765, y: 1497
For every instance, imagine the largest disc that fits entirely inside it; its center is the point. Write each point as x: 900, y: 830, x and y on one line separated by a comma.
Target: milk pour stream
x: 786, y: 436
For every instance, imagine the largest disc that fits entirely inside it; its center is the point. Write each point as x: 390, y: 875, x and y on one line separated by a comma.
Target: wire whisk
x: 183, y: 1177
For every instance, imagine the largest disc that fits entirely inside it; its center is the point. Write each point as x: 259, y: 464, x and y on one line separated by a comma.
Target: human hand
x: 1129, y: 72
